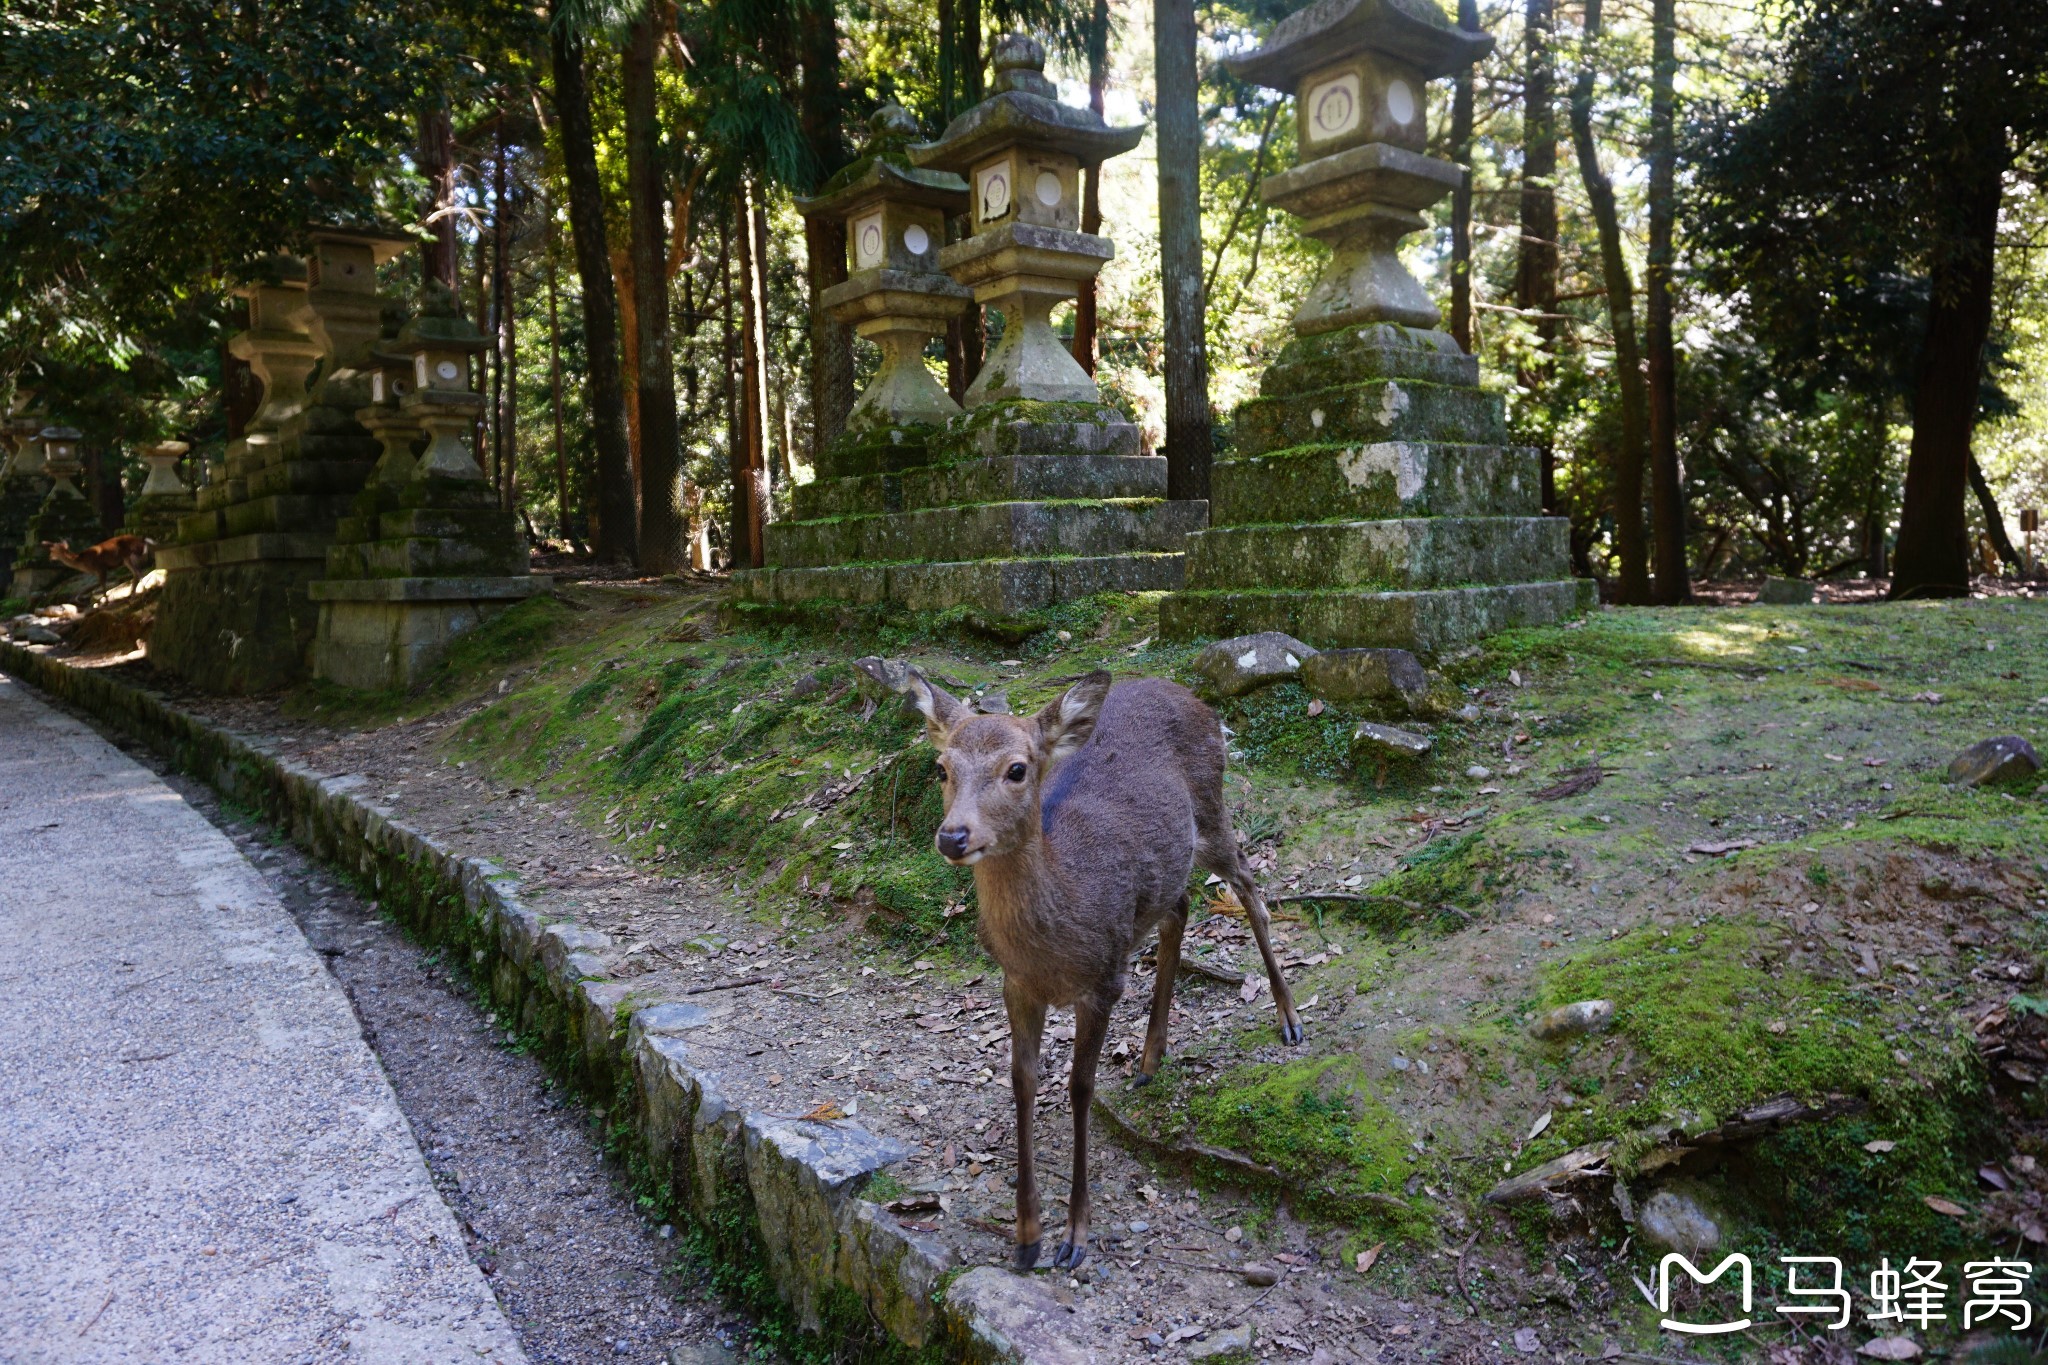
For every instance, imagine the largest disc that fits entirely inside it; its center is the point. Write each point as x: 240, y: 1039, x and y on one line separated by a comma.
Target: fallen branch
x: 1573, y: 782
x: 728, y: 985
x: 1459, y: 1270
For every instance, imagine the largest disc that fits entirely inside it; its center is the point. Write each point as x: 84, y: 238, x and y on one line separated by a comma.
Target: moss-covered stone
x: 1424, y: 622
x: 1372, y: 411
x: 1385, y: 555
x: 1353, y: 355
x: 1001, y: 530
x: 1383, y: 479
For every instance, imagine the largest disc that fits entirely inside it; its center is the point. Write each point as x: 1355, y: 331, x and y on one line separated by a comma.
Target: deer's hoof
x: 1290, y: 1032
x: 1069, y: 1255
x: 1025, y: 1256
x: 1142, y: 1078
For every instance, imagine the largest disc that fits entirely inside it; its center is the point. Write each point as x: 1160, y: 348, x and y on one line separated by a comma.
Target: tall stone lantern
x: 65, y: 514
x: 1022, y: 152
x: 1372, y: 499
x: 441, y: 341
x: 894, y: 294
x: 164, y: 497
x: 281, y: 349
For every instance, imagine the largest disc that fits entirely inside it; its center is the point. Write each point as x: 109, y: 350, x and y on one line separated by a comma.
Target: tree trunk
x: 484, y: 374
x: 1876, y: 561
x: 505, y: 402
x: 439, y: 257
x: 1536, y: 254
x: 1091, y: 182
x: 616, y: 531
x: 1634, y: 586
x: 737, y: 546
x: 822, y: 104
x: 1672, y: 584
x: 1189, y: 430
x: 663, y: 546
x: 1933, y: 558
x: 748, y: 513
x: 1994, y: 520
x: 555, y: 391
x: 1461, y: 198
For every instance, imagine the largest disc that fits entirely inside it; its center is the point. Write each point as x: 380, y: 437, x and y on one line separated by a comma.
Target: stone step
x: 1384, y: 479
x: 995, y: 530
x: 309, y: 476
x: 424, y: 557
x: 1424, y: 622
x: 1005, y: 478
x: 1355, y: 355
x: 999, y: 587
x: 1394, y: 555
x: 1377, y: 410
x: 1022, y: 427
x: 286, y: 512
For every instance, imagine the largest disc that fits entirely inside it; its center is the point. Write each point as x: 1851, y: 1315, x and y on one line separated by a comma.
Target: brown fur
x: 1083, y: 824
x: 105, y: 557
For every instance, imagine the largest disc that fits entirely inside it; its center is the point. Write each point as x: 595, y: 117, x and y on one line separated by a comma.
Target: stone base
x: 33, y: 578
x: 1398, y: 554
x: 996, y: 587
x: 390, y: 633
x: 233, y: 623
x: 1422, y: 622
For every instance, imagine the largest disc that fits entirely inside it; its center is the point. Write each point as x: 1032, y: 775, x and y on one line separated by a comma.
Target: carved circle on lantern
x: 1048, y: 188
x: 1333, y: 107
x: 993, y: 185
x: 448, y: 369
x: 868, y: 242
x: 916, y: 240
x: 1401, y: 102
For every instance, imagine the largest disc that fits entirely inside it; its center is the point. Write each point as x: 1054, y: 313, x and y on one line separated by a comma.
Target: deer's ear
x: 940, y: 709
x: 1068, y: 720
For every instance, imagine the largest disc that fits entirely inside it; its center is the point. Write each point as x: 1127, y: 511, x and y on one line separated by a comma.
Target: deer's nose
x: 952, y: 841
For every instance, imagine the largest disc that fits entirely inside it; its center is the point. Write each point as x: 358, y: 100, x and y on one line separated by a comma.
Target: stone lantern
x: 164, y: 497
x: 279, y: 347
x: 163, y: 480
x: 1373, y: 499
x: 894, y: 294
x: 65, y: 514
x: 441, y: 341
x: 1022, y: 152
x: 60, y: 456
x: 1358, y: 72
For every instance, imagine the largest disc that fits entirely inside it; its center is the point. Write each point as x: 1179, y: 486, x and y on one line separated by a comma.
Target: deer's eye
x: 943, y: 774
x: 1017, y: 772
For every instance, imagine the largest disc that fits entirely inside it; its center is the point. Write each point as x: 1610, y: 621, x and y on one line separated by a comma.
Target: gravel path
x: 204, y: 1161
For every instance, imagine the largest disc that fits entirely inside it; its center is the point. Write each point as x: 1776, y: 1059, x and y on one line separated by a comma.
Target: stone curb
x: 781, y: 1195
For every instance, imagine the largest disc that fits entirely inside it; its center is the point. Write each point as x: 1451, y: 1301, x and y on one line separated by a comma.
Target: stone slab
x: 1352, y: 355
x: 1422, y: 622
x: 1378, y: 410
x: 449, y: 589
x: 1322, y: 482
x: 1392, y: 555
x: 1003, y: 530
x: 998, y: 587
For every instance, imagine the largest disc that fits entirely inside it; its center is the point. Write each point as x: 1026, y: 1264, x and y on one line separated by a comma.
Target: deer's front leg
x: 1027, y: 1027
x: 1170, y: 929
x: 1240, y: 879
x: 1091, y: 1026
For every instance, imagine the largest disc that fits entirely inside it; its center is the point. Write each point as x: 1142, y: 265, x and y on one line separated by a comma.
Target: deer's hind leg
x: 1216, y: 851
x: 1027, y: 1028
x: 1170, y: 928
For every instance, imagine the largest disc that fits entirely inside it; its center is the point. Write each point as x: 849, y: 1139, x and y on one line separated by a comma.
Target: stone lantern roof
x: 1023, y: 110
x: 1415, y: 32
x: 885, y: 171
x: 438, y: 326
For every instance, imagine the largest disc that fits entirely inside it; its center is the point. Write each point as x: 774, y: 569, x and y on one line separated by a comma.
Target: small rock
x: 1385, y: 741
x: 1574, y: 1020
x: 702, y: 1355
x: 1154, y: 1340
x: 879, y: 679
x: 1987, y: 763
x: 1228, y: 1342
x: 1234, y: 1236
x: 1140, y: 1225
x: 1527, y: 1342
x: 1479, y: 772
x: 1673, y: 1220
x: 1787, y: 592
x: 1246, y: 662
x: 38, y: 634
x: 1354, y: 675
x: 1259, y: 1276
x: 1889, y: 1348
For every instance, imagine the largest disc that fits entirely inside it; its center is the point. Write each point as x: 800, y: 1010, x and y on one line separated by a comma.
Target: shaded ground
x: 1769, y: 878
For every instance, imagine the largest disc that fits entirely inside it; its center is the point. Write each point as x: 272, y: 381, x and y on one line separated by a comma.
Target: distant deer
x: 1083, y: 824
x: 104, y: 558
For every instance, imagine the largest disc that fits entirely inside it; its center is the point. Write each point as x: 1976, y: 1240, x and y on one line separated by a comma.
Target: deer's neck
x: 1017, y: 892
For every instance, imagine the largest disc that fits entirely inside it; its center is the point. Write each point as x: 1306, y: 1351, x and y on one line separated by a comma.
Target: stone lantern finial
x: 1022, y: 152
x: 1357, y: 70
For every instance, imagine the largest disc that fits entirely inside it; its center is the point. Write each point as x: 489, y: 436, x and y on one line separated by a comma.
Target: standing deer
x: 1083, y: 824
x: 105, y: 557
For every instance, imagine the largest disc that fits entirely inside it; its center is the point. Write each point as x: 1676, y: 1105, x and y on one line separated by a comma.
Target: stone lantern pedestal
x: 23, y: 485
x: 164, y: 499
x: 65, y: 515
x: 235, y: 616
x: 426, y: 553
x: 1036, y: 493
x: 1373, y: 499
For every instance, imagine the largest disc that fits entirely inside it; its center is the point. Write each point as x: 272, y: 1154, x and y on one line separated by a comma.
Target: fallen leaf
x: 1880, y: 1147
x: 1315, y: 708
x: 914, y: 1203
x: 1945, y: 1206
x: 826, y: 1112
x: 1995, y: 1178
x: 1249, y: 991
x: 1854, y: 684
x: 1932, y: 699
x: 1716, y: 850
x: 1369, y: 1257
x: 1183, y: 1333
x: 1889, y: 1348
x: 1527, y: 1342
x: 1540, y: 1125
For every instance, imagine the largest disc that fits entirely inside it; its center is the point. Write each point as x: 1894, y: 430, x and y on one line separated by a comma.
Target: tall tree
x: 1097, y: 43
x: 664, y: 544
x: 1461, y: 198
x: 1536, y: 258
x: 1633, y: 587
x: 822, y: 111
x: 441, y: 253
x: 1189, y: 430
x: 1667, y: 491
x: 750, y: 454
x: 616, y: 534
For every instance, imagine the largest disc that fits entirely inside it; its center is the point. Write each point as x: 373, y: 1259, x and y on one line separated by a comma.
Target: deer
x: 105, y: 557
x: 1083, y: 824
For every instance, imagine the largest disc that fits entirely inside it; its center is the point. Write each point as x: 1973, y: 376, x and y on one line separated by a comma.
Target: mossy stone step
x: 1380, y: 479
x: 309, y: 476
x: 1425, y: 621
x: 286, y: 512
x: 1355, y: 355
x: 1003, y: 478
x: 877, y: 450
x: 1391, y: 555
x: 1379, y: 410
x: 997, y: 587
x: 424, y: 557
x: 998, y: 530
x: 1022, y: 427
